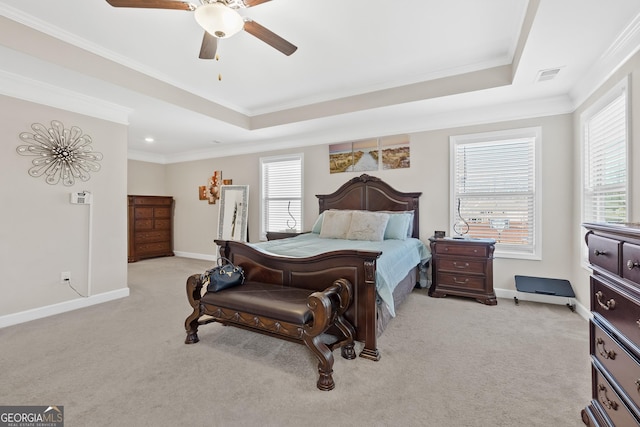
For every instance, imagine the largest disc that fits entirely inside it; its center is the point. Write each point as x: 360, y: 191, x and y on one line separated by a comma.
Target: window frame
x: 534, y: 133
x: 619, y: 89
x: 271, y: 160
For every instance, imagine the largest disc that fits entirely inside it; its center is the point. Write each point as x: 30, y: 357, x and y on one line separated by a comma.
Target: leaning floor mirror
x: 233, y: 216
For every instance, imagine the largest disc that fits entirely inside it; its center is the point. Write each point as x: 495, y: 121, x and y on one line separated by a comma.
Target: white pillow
x: 335, y: 224
x: 367, y: 226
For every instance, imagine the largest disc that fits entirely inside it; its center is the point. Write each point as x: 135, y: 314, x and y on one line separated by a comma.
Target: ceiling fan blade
x: 209, y: 46
x: 269, y: 37
x: 153, y: 4
x: 251, y: 3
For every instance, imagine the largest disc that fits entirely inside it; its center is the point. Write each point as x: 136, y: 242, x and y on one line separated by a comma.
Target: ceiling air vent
x: 544, y: 75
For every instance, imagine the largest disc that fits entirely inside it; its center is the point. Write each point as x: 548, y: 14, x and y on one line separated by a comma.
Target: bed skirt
x: 400, y: 293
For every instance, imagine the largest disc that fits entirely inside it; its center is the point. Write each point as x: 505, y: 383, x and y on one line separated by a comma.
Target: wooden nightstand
x: 276, y: 235
x: 463, y: 267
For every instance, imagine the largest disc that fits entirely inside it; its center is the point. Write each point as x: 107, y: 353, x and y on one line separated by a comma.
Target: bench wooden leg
x: 194, y: 286
x: 325, y: 361
x: 347, y: 345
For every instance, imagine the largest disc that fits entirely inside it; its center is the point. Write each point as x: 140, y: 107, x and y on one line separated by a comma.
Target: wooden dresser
x: 463, y: 267
x: 614, y: 255
x: 150, y: 227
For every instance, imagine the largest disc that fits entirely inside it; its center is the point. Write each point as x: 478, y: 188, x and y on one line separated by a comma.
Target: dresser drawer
x: 143, y: 213
x: 631, y: 262
x: 153, y: 248
x: 461, y: 281
x: 604, y: 253
x: 143, y: 224
x: 623, y: 366
x: 162, y: 224
x: 469, y: 250
x: 461, y: 266
x: 152, y: 236
x: 162, y: 212
x: 151, y: 200
x: 610, y: 402
x: 616, y: 306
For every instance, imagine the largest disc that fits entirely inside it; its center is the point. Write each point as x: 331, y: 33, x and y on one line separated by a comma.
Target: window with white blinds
x: 281, y: 194
x: 605, y: 173
x: 495, y: 192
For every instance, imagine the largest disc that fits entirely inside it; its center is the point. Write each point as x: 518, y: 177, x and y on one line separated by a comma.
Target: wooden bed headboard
x: 370, y: 193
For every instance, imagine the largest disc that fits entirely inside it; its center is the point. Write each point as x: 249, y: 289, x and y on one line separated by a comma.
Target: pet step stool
x: 545, y: 286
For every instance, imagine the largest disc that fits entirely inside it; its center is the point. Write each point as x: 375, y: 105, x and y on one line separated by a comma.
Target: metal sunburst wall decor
x: 63, y: 154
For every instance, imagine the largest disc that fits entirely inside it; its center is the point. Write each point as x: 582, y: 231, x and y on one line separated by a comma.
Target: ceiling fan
x: 219, y: 19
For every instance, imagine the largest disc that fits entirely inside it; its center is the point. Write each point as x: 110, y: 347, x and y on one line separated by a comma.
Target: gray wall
x: 196, y: 220
x: 42, y: 234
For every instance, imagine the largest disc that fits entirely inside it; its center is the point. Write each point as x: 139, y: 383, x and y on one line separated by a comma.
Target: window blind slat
x: 605, y: 163
x: 281, y: 194
x: 494, y: 182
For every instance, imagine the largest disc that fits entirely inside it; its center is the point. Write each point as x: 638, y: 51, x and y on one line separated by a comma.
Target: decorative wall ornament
x: 213, y: 192
x: 62, y: 154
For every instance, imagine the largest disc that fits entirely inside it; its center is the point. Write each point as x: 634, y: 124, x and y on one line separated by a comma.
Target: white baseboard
x: 62, y: 307
x: 195, y: 255
x: 546, y: 299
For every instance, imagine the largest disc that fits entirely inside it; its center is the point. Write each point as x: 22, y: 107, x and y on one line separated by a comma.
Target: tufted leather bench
x: 296, y: 314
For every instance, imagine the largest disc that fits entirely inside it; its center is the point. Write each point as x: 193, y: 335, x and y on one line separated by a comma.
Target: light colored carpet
x: 445, y: 362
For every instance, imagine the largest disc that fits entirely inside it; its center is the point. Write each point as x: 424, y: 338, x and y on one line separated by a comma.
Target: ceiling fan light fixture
x: 219, y: 20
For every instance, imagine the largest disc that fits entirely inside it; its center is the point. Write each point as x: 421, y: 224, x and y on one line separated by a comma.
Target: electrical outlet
x: 65, y: 276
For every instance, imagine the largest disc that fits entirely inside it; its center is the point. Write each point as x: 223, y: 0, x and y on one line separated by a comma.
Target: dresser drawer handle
x: 597, y: 252
x: 604, y: 353
x: 633, y: 264
x: 610, y: 305
x: 609, y: 404
x: 460, y: 282
x: 638, y: 385
x: 461, y: 266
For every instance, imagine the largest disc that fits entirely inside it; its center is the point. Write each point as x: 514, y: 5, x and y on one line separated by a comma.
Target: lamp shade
x: 219, y: 20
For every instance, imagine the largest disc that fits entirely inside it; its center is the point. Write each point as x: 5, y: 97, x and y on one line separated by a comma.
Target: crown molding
x: 621, y: 50
x: 143, y: 156
x: 27, y: 89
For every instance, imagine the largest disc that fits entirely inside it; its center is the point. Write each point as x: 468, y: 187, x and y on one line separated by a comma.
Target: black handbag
x: 223, y: 276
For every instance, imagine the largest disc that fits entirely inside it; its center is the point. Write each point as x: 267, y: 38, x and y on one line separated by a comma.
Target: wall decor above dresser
x: 614, y: 256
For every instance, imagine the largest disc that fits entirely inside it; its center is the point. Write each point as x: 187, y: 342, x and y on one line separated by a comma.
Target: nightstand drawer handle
x: 609, y: 404
x: 610, y: 305
x: 461, y: 266
x: 604, y: 353
x: 597, y: 252
x: 632, y: 264
x: 638, y: 385
x: 460, y: 282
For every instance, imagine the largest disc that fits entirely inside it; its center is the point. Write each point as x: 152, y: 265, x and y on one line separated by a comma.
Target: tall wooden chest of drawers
x: 463, y: 267
x: 150, y: 227
x: 614, y: 255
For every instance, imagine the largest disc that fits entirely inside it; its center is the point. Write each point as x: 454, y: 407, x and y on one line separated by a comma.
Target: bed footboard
x: 358, y: 267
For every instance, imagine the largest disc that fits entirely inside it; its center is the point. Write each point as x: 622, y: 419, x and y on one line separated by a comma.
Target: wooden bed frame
x: 359, y: 267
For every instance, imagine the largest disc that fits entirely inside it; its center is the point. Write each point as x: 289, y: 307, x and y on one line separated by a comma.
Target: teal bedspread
x: 397, y: 259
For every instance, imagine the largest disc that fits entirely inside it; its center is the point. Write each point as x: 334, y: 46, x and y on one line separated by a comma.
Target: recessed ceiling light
x: 149, y: 139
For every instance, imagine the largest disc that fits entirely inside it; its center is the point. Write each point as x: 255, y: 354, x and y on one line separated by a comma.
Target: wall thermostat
x: 81, y: 198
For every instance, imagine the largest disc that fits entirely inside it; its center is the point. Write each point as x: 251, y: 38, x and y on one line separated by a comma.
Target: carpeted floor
x: 445, y: 362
